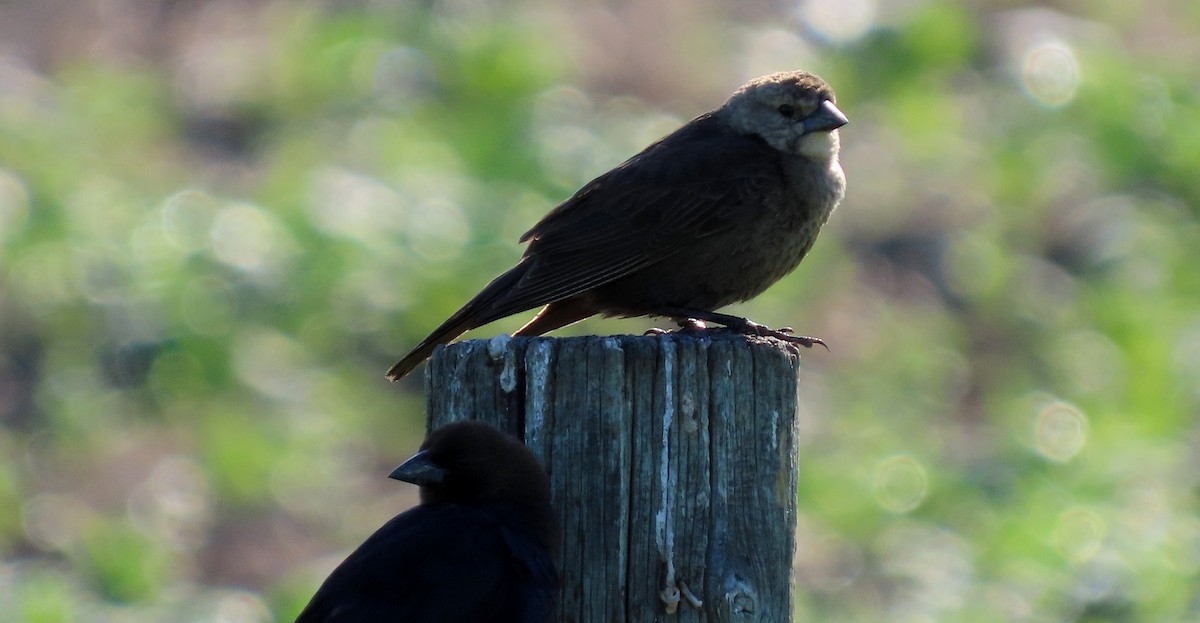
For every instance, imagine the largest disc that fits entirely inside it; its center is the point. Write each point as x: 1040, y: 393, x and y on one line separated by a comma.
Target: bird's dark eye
x: 787, y: 110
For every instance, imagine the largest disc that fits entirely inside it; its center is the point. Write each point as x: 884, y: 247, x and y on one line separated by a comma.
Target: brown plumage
x: 712, y: 214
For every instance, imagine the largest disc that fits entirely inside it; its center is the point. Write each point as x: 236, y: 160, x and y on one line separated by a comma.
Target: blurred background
x: 221, y: 221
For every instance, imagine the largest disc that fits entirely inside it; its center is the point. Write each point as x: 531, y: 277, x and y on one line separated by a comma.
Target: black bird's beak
x: 419, y: 470
x: 826, y: 119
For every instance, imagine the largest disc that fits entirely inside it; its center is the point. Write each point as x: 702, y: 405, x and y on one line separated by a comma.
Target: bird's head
x: 793, y: 111
x: 472, y: 463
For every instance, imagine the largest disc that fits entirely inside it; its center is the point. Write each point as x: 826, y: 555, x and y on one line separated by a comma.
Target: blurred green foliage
x: 218, y: 226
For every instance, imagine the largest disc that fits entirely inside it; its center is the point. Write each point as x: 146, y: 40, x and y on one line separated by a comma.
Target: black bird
x: 710, y: 215
x: 478, y: 549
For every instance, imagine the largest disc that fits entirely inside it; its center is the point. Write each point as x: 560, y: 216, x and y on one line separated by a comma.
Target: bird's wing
x: 658, y: 203
x: 432, y: 563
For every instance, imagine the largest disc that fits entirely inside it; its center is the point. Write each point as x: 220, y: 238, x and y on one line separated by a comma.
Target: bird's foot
x: 737, y: 324
x: 687, y: 326
x: 786, y: 334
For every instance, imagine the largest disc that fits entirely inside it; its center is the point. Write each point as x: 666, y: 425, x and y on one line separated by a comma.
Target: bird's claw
x: 803, y: 340
x: 786, y: 334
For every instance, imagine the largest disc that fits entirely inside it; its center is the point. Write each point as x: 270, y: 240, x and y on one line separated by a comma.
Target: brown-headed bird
x: 478, y: 548
x: 710, y: 215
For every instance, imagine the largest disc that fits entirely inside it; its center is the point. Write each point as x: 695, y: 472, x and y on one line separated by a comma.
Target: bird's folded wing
x: 655, y: 205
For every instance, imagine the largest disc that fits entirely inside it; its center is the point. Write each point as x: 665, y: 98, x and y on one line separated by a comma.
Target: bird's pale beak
x: 827, y: 118
x: 419, y: 470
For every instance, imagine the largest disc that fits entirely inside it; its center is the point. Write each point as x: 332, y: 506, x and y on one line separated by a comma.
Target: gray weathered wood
x: 672, y: 462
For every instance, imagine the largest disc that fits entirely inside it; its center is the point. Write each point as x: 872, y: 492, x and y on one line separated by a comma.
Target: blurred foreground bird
x: 477, y: 549
x: 711, y: 215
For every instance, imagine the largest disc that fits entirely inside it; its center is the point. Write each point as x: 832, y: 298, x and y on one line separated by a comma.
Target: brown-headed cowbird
x: 478, y: 548
x: 710, y: 215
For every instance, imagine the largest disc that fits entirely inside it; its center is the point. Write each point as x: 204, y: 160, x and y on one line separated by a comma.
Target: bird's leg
x: 743, y: 325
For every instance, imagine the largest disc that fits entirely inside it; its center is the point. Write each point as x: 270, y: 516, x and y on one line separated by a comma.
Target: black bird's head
x: 473, y: 463
x: 793, y: 111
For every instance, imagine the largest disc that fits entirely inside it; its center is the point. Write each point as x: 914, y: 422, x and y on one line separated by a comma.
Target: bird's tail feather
x: 485, y: 307
x: 443, y: 335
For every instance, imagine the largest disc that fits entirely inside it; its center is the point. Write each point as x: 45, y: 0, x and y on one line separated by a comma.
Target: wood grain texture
x: 672, y: 462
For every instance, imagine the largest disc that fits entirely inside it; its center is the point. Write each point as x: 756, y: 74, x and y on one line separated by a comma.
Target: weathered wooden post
x: 672, y: 461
